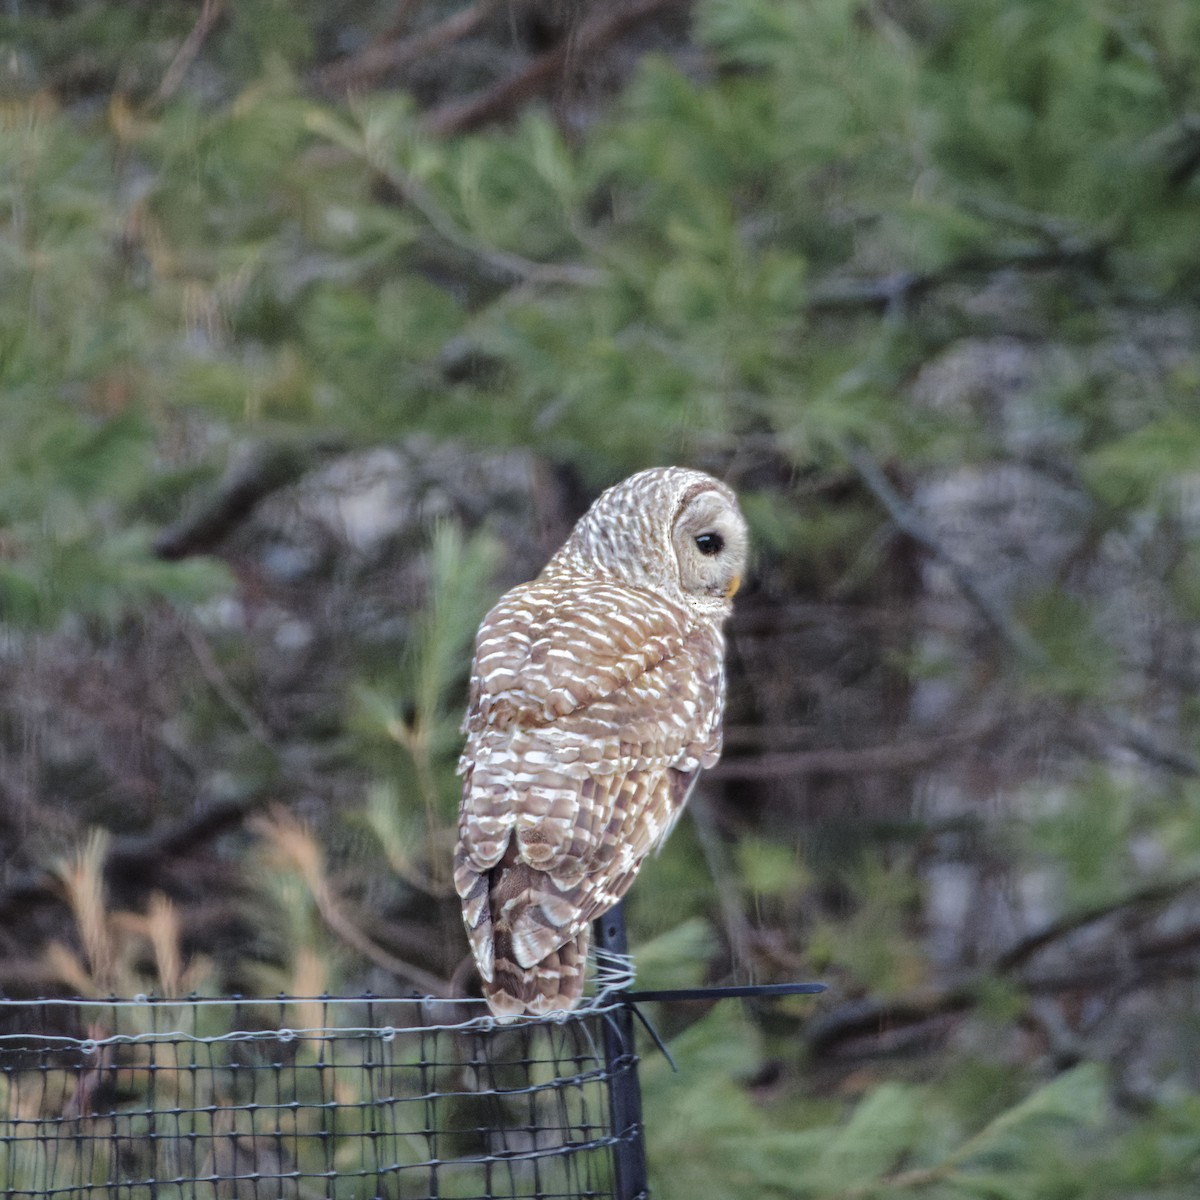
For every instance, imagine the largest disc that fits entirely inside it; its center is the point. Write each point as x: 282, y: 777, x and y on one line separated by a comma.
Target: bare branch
x: 331, y: 913
x: 210, y: 13
x: 254, y: 474
x: 1155, y: 893
x: 889, y: 293
x: 1169, y: 955
x: 738, y: 930
x: 872, y: 1016
x: 376, y: 60
x: 499, y: 100
x: 401, y: 19
x: 1145, y: 746
x: 303, y: 853
x: 220, y: 684
x: 867, y: 760
x: 1015, y: 636
x: 131, y: 857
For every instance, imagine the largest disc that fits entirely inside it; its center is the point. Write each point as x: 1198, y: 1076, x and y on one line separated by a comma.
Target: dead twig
x: 867, y: 760
x: 299, y: 849
x: 219, y: 681
x: 210, y: 13
x: 738, y: 931
x: 398, y: 25
x: 1014, y: 635
x: 379, y: 58
x: 499, y: 100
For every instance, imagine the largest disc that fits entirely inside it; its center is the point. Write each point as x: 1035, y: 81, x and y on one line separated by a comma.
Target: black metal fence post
x: 625, y: 1094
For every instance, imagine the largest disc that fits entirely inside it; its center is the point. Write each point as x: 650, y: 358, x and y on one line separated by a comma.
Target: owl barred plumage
x: 596, y: 699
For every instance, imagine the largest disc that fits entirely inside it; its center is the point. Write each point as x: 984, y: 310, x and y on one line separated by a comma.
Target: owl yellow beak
x: 734, y: 584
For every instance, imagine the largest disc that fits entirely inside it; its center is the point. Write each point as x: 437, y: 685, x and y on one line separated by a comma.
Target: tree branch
x: 1014, y: 635
x: 145, y: 858
x: 738, y: 931
x: 219, y: 681
x: 871, y: 1015
x: 867, y: 760
x: 1151, y: 959
x: 255, y: 474
x: 301, y: 851
x: 502, y: 266
x: 606, y: 25
x: 376, y: 60
x: 1020, y: 953
x: 210, y: 13
x: 889, y: 292
x: 1145, y: 746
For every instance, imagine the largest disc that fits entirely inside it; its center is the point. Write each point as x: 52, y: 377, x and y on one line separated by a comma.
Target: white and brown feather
x: 596, y: 699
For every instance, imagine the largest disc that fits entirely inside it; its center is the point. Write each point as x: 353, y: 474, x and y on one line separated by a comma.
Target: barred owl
x: 596, y: 699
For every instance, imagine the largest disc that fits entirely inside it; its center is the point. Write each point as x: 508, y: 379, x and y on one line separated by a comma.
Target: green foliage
x: 872, y: 943
x: 1145, y: 465
x: 1079, y: 660
x: 417, y: 709
x: 898, y: 1140
x: 1088, y: 834
x: 69, y: 492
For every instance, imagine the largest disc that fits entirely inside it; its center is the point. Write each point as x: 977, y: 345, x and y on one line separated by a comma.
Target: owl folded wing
x: 593, y: 708
x: 548, y: 649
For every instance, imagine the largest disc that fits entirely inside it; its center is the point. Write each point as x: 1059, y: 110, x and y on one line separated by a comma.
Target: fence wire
x: 305, y: 1098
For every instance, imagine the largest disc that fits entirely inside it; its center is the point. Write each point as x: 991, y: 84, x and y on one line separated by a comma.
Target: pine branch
x: 501, y: 266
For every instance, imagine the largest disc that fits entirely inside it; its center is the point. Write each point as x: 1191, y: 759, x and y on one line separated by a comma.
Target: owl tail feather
x: 553, y: 984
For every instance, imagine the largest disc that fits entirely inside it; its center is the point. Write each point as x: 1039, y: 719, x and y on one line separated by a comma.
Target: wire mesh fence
x: 330, y: 1097
x: 340, y: 1098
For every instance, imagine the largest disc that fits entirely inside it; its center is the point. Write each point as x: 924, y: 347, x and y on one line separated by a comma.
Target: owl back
x: 593, y: 707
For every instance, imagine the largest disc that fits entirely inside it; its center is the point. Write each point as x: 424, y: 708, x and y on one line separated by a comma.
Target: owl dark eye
x: 710, y: 543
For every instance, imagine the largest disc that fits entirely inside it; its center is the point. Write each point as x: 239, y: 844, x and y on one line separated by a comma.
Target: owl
x: 596, y: 699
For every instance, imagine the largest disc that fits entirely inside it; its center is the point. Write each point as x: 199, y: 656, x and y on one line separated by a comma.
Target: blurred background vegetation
x: 321, y: 323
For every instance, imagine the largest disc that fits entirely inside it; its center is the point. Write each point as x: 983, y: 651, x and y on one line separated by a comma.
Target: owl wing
x: 593, y: 709
x: 550, y: 648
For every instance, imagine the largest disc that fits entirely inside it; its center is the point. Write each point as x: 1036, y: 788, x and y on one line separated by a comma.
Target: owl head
x: 672, y: 530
